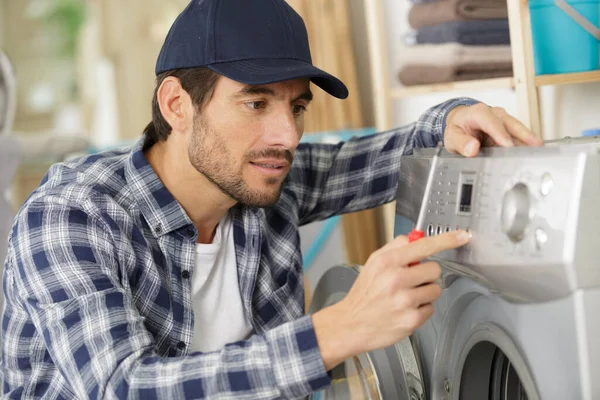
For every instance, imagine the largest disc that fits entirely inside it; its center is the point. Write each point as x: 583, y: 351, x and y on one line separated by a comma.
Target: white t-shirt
x: 219, y: 316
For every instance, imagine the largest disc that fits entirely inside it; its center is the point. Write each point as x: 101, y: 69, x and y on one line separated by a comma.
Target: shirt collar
x: 161, y: 210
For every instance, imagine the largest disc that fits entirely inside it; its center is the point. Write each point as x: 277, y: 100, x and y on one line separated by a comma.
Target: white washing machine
x: 519, y: 317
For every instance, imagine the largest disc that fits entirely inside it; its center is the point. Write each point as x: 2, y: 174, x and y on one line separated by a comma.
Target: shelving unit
x: 496, y: 83
x: 524, y: 81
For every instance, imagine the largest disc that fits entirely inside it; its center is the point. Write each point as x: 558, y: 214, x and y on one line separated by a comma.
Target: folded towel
x: 415, y: 74
x: 449, y: 54
x: 484, y: 32
x: 434, y: 13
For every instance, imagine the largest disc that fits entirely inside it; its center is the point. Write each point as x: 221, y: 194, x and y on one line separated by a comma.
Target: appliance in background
x: 515, y: 320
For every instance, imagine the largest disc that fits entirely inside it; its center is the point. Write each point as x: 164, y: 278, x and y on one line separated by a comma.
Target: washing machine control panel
x: 534, y: 215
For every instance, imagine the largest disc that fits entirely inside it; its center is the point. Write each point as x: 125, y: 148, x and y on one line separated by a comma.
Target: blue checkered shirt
x: 98, y: 276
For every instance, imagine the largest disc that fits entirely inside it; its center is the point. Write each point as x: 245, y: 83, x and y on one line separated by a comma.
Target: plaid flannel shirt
x: 98, y: 276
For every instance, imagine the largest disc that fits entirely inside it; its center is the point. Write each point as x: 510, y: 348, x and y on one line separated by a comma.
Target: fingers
x: 516, y: 129
x: 485, y: 120
x: 425, y: 294
x: 428, y: 246
x: 461, y: 143
x: 420, y: 274
x: 416, y: 317
x: 464, y: 134
x: 398, y: 242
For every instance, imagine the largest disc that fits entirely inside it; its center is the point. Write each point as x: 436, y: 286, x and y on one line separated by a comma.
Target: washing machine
x: 519, y: 316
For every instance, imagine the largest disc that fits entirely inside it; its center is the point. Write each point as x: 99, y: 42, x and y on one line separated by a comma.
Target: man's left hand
x: 470, y: 127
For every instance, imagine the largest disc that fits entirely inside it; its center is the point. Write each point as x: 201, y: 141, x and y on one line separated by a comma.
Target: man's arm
x: 63, y: 270
x: 361, y: 173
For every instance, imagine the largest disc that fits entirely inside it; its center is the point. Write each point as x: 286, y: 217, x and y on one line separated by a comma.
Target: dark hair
x: 199, y: 83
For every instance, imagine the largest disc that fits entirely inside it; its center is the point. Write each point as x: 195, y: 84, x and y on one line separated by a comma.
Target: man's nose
x: 283, y: 131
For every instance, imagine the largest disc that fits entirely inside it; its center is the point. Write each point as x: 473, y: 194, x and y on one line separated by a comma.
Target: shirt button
x: 158, y: 228
x: 185, y: 274
x: 191, y: 233
x: 181, y: 345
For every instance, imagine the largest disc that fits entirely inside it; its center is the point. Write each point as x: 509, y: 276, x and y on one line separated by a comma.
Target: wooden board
x: 523, y: 65
x: 564, y: 79
x: 330, y: 37
x: 484, y: 84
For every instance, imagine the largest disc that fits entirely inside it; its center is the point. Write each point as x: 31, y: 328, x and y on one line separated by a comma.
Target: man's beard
x: 209, y: 154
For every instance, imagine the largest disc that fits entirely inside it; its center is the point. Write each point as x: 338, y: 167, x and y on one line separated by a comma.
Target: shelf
x: 497, y: 83
x: 484, y: 84
x: 563, y: 79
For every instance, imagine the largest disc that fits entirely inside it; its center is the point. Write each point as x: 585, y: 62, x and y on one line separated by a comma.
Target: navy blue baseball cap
x: 254, y: 42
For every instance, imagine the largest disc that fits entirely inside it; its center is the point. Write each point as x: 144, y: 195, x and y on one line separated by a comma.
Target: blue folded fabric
x: 473, y: 32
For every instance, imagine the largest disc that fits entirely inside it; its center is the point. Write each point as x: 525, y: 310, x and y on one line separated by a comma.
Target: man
x: 174, y: 270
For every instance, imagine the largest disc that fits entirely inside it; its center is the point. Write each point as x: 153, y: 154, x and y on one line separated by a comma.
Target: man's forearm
x: 337, y: 335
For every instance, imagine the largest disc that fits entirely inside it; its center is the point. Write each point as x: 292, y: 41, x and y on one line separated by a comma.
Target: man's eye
x: 299, y: 110
x: 256, y: 105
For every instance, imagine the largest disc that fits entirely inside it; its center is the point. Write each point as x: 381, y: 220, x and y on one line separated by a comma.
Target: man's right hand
x: 388, y: 301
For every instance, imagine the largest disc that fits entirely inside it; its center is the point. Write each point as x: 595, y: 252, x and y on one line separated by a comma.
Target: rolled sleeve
x: 297, y: 363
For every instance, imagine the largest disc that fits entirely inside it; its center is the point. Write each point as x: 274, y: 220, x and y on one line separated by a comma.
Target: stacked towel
x: 438, y: 12
x: 482, y: 32
x: 454, y: 62
x: 456, y: 40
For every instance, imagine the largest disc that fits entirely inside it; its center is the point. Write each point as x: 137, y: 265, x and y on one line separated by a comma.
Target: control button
x: 430, y: 230
x: 447, y: 229
x: 439, y: 230
x: 541, y: 237
x: 547, y: 184
x: 516, y: 206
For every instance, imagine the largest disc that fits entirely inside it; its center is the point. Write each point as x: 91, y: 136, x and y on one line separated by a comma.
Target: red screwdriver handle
x: 413, y: 236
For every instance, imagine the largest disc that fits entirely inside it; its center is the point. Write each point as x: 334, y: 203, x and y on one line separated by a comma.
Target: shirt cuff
x: 450, y: 105
x: 297, y: 363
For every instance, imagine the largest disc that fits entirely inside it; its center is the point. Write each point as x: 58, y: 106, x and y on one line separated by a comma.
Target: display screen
x: 466, y: 195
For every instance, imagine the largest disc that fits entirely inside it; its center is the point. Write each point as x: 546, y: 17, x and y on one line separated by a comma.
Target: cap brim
x: 271, y: 70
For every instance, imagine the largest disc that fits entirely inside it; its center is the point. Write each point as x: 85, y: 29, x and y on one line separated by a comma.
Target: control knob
x: 516, y: 206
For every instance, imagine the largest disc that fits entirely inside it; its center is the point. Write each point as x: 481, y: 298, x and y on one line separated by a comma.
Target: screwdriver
x: 418, y: 231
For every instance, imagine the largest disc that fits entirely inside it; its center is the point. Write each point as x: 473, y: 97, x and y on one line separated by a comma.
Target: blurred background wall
x: 86, y: 75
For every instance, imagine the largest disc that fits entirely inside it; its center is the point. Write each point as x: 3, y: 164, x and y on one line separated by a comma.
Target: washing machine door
x: 391, y: 373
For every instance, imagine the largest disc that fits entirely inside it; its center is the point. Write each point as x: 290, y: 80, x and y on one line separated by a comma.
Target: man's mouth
x: 272, y: 166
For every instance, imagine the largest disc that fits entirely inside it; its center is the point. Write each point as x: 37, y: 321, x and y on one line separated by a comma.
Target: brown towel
x: 415, y: 74
x: 428, y: 14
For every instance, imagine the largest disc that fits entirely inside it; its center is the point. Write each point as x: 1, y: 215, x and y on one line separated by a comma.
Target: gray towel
x: 483, y: 32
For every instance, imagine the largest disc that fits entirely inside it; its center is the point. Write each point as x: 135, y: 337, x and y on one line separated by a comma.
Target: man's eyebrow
x: 253, y: 90
x: 308, y: 96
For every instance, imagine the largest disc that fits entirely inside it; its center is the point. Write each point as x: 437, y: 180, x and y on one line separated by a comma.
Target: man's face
x: 245, y: 138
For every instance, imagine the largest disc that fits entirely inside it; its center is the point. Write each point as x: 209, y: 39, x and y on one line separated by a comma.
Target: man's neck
x: 203, y: 202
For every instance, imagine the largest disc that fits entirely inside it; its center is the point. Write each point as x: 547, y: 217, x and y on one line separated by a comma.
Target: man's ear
x: 171, y: 100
